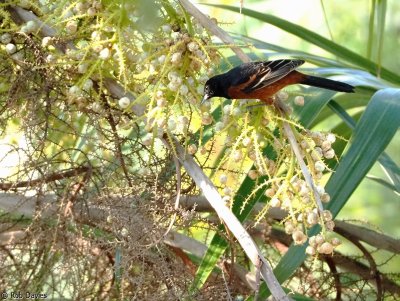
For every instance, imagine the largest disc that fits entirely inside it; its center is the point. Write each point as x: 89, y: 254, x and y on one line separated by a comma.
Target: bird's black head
x: 214, y: 87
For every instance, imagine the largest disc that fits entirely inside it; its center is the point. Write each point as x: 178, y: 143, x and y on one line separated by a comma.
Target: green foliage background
x: 161, y: 57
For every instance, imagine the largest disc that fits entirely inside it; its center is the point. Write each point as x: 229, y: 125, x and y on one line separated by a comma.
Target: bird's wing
x: 263, y: 74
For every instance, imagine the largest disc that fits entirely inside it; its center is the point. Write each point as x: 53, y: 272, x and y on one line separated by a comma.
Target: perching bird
x: 261, y: 80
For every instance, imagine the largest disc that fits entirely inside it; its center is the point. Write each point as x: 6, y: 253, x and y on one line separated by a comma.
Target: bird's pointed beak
x: 205, y: 97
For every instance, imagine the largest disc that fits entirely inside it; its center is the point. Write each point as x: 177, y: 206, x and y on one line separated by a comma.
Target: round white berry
x: 329, y: 154
x: 206, y: 119
x: 270, y: 192
x: 329, y: 225
x: 80, y: 7
x: 310, y: 250
x: 87, y: 85
x: 219, y: 126
x: 190, y: 81
x: 326, y: 145
x: 46, y: 41
x: 192, y: 149
x: 227, y: 109
x: 246, y: 141
x: 192, y: 46
x: 82, y: 68
x: 105, y: 54
x: 319, y: 239
x: 299, y: 237
x: 327, y: 215
x: 304, y: 190
x: 223, y: 178
x: 176, y: 58
x: 253, y: 174
x: 18, y: 56
x: 5, y: 38
x: 91, y: 11
x: 312, y: 218
x: 173, y: 86
x: 275, y: 202
x: 124, y: 232
x: 325, y: 198
x: 331, y: 138
x: 184, y: 90
x: 312, y: 241
x: 172, y: 75
x: 299, y: 101
x: 50, y: 58
x: 227, y: 191
x: 282, y: 95
x: 96, y: 35
x: 11, y: 48
x: 236, y: 112
x: 75, y: 90
x: 237, y: 155
x: 226, y: 200
x: 335, y: 241
x: 252, y: 155
x: 205, y: 106
x: 124, y: 102
x: 166, y: 28
x: 171, y: 124
x: 319, y: 166
x: 31, y: 26
x: 289, y: 227
x: 159, y: 94
x: 325, y: 248
x: 71, y: 27
x: 161, y: 58
x: 97, y: 4
x: 148, y: 139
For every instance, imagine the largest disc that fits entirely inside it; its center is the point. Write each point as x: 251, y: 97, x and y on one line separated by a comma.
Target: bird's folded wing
x: 269, y: 72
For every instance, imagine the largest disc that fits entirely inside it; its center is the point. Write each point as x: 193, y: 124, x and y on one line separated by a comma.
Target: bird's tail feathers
x: 327, y: 84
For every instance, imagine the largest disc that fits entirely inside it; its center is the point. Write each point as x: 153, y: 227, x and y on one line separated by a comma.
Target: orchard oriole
x: 261, y: 80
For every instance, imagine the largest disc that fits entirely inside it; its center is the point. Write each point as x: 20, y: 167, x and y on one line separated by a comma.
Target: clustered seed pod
x: 319, y: 244
x: 299, y: 237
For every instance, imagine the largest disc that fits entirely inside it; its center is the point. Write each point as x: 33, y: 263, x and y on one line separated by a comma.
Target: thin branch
x: 335, y: 276
x: 49, y: 178
x: 231, y: 221
x: 303, y: 166
x: 371, y: 237
x: 372, y: 264
x: 214, y: 29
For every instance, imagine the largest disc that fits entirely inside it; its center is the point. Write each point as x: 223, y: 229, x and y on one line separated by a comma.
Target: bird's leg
x: 268, y: 101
